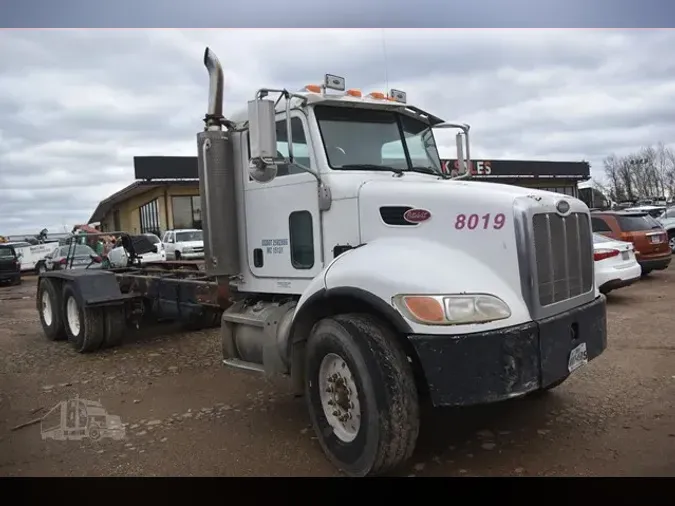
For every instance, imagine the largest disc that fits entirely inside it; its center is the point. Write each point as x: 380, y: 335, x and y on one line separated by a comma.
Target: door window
x: 301, y: 239
x: 300, y: 149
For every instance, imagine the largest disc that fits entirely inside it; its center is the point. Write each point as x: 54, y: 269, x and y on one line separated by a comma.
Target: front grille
x: 563, y: 249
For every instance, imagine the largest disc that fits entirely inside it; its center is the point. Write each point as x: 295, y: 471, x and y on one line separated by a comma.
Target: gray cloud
x: 76, y: 106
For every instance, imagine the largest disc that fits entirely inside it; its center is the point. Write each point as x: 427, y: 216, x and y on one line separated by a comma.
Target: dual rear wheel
x: 64, y: 317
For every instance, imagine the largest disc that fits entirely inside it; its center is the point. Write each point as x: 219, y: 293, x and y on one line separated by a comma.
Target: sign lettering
x: 274, y: 246
x: 476, y: 221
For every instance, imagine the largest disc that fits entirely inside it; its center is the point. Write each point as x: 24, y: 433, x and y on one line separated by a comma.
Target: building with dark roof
x: 164, y: 196
x: 561, y: 177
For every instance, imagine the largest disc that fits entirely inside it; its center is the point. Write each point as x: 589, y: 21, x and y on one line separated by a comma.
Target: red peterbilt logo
x: 416, y: 215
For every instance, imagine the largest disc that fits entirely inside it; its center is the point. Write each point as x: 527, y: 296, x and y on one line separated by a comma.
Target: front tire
x: 671, y: 240
x: 361, y: 395
x: 85, y: 326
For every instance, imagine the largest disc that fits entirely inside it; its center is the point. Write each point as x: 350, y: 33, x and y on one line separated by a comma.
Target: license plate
x: 625, y: 255
x: 578, y: 357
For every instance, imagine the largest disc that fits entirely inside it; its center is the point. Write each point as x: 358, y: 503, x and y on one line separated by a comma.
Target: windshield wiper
x: 429, y: 170
x: 370, y: 166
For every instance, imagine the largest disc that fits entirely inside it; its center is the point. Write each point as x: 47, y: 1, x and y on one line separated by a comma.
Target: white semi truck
x: 343, y: 257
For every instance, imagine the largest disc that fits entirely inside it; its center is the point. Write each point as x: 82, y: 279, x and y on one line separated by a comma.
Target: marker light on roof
x: 398, y: 96
x: 332, y: 82
x: 314, y: 88
x: 353, y: 93
x: 378, y: 95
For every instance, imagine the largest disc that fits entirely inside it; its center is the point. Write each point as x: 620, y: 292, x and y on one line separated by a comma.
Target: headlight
x: 452, y: 309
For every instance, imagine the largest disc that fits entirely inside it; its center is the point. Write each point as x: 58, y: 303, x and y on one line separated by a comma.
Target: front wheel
x: 671, y: 240
x: 361, y: 395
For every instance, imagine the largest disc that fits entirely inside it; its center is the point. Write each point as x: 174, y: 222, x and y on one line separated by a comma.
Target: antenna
x: 386, y: 66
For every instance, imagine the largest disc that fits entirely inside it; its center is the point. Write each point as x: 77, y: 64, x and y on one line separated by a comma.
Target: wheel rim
x: 47, y: 308
x: 671, y: 242
x: 339, y: 397
x: 73, y: 316
x: 41, y: 269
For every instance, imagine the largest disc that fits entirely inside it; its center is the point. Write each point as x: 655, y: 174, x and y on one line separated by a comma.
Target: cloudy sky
x: 76, y: 106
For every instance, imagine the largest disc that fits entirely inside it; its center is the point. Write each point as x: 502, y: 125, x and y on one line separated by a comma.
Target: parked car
x: 10, y: 265
x: 83, y: 257
x: 184, y: 244
x: 615, y: 263
x: 118, y: 256
x: 667, y: 221
x: 648, y: 237
x: 653, y: 210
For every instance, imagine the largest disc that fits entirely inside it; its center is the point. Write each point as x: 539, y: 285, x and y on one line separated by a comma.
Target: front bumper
x: 10, y: 276
x: 501, y: 364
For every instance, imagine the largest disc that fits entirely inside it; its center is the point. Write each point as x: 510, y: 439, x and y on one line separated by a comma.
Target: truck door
x: 282, y: 216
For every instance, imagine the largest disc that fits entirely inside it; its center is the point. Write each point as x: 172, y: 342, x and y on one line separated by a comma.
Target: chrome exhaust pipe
x: 214, y: 113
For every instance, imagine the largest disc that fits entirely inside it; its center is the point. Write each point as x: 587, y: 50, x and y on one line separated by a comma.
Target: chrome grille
x: 563, y: 249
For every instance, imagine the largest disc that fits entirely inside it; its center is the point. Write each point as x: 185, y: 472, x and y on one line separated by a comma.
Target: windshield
x: 637, y: 223
x: 152, y: 238
x: 6, y: 253
x: 189, y: 236
x: 354, y: 138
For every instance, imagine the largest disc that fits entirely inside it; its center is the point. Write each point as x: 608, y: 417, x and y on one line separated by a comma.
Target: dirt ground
x: 187, y: 415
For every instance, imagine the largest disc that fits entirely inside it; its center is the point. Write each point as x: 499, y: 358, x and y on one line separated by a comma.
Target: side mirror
x: 96, y: 259
x: 263, y: 140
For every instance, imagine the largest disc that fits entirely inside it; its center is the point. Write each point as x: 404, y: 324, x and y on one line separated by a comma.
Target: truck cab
x: 357, y: 267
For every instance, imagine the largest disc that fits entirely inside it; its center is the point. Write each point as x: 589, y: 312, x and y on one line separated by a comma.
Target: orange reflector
x: 314, y: 88
x: 425, y: 308
x: 378, y: 95
x: 353, y: 93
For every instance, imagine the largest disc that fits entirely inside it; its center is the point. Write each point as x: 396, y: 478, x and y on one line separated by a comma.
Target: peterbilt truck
x: 342, y: 256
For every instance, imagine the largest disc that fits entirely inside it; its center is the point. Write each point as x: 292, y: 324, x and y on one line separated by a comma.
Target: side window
x: 301, y: 239
x: 599, y: 225
x: 300, y: 149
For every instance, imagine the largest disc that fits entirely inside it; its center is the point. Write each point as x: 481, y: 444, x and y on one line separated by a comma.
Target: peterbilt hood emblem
x: 416, y: 215
x: 563, y: 207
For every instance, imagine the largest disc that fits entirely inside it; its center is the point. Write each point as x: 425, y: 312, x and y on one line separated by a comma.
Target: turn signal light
x: 354, y: 93
x: 378, y: 95
x: 426, y: 309
x: 602, y: 254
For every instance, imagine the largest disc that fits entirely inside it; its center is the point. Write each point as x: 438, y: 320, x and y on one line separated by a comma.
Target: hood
x: 474, y: 218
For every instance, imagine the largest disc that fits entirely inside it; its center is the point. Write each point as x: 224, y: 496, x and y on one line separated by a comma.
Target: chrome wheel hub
x: 339, y: 397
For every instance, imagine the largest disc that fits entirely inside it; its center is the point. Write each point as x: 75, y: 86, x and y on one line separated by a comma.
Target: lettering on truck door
x: 282, y: 216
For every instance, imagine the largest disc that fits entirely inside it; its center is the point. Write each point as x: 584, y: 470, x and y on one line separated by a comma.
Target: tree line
x: 648, y: 173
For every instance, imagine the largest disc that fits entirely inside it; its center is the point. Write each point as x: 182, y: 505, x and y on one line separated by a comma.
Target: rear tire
x: 115, y: 324
x: 373, y: 391
x: 671, y: 240
x: 646, y: 272
x: 48, y: 303
x: 85, y: 326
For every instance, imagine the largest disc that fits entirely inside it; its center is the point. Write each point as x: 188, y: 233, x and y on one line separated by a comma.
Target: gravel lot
x: 186, y: 415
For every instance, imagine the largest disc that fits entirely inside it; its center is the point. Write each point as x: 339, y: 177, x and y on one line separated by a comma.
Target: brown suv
x: 647, y: 235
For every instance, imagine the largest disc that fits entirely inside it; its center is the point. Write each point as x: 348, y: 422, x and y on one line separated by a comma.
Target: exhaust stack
x: 216, y: 181
x: 214, y: 112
